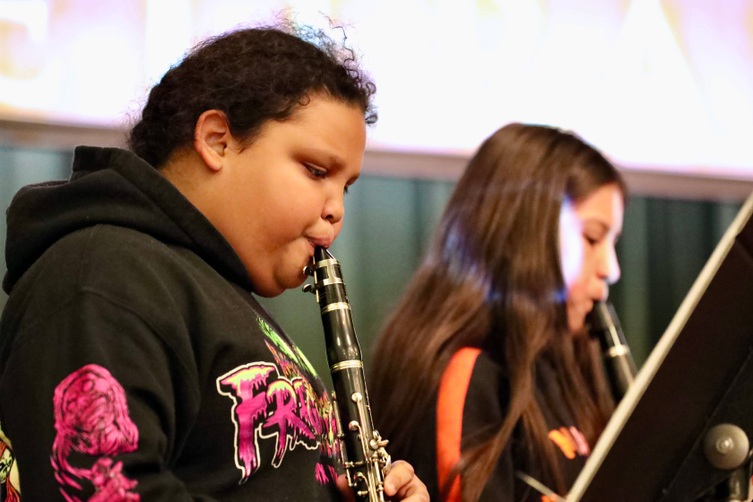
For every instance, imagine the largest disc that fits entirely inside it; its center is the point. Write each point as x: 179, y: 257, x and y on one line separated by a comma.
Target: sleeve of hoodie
x: 97, y: 376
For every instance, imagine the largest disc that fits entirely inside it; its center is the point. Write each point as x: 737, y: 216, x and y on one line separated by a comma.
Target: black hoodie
x: 134, y: 362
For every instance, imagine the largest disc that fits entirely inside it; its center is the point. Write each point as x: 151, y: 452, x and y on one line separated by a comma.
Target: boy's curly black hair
x: 252, y: 75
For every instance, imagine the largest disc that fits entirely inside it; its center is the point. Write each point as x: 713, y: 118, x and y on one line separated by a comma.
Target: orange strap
x: 450, y: 403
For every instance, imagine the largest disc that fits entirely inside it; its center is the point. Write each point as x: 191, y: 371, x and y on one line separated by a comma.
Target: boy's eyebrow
x: 331, y: 159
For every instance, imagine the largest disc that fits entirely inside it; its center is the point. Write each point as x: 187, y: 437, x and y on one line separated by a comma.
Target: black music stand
x: 698, y: 376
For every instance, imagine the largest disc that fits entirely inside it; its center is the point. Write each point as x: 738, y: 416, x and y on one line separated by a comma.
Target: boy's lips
x: 319, y: 242
x: 315, y: 243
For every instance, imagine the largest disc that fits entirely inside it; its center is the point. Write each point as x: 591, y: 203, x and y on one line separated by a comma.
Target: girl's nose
x: 609, y: 266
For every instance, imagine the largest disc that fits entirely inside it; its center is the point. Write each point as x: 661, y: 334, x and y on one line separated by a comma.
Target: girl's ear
x: 212, y: 137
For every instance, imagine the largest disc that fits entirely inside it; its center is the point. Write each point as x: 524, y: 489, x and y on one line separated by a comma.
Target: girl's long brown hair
x: 492, y: 279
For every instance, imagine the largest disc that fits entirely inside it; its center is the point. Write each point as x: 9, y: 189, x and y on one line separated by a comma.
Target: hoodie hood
x: 114, y: 187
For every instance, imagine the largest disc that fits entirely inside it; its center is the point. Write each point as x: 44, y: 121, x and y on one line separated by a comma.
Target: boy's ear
x: 212, y: 137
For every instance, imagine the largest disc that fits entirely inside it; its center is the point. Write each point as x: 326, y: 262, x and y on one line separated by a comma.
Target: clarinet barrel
x: 618, y: 360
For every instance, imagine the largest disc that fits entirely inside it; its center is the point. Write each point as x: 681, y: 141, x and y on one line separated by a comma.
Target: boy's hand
x: 400, y: 483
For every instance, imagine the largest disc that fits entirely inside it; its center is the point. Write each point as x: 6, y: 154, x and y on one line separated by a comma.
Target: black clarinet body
x: 618, y: 360
x: 364, y: 457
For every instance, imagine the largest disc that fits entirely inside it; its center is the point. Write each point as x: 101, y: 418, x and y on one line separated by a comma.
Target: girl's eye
x: 317, y: 172
x: 591, y: 240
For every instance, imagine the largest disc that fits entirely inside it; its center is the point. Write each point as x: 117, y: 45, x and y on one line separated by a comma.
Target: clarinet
x: 362, y: 451
x: 618, y: 360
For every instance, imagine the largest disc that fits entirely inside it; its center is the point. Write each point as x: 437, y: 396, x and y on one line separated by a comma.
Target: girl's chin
x: 580, y: 332
x: 577, y: 326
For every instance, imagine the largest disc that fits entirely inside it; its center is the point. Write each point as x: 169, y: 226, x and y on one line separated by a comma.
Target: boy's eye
x: 316, y: 171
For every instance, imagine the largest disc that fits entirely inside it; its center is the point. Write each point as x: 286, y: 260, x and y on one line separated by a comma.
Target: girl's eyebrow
x: 603, y: 226
x: 597, y: 224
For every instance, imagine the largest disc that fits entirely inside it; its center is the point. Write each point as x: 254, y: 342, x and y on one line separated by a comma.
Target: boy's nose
x: 334, y: 209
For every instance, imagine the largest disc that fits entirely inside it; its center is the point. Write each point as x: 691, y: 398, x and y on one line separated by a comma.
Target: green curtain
x: 665, y: 245
x: 20, y: 167
x: 388, y: 224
